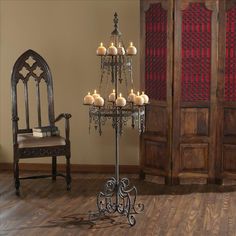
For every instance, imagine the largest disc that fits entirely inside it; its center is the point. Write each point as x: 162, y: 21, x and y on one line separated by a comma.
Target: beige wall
x: 66, y: 33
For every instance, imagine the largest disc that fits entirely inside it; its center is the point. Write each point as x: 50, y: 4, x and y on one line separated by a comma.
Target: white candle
x: 121, y: 50
x: 120, y: 101
x: 101, y: 50
x: 145, y: 98
x: 131, y: 96
x: 112, y: 50
x: 88, y: 99
x: 99, y: 101
x: 131, y: 50
x: 112, y: 96
x: 139, y: 100
x: 95, y: 94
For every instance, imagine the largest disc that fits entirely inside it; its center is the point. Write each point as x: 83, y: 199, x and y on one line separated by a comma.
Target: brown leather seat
x: 28, y: 140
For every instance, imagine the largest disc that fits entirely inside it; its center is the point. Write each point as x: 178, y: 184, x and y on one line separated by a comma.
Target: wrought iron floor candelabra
x: 117, y: 195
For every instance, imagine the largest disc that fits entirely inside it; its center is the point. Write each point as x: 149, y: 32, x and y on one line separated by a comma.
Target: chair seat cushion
x: 29, y: 141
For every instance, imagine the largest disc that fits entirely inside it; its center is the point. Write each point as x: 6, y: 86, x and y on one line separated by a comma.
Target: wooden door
x: 195, y: 80
x: 226, y: 148
x: 156, y: 77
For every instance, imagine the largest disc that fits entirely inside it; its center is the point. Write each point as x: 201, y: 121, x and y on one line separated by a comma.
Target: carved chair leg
x: 167, y: 180
x: 142, y: 175
x: 16, y: 176
x: 68, y: 175
x: 175, y: 181
x: 54, y: 168
x: 219, y: 181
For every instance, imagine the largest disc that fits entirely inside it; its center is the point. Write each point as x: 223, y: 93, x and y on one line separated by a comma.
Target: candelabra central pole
x: 117, y: 135
x: 117, y: 174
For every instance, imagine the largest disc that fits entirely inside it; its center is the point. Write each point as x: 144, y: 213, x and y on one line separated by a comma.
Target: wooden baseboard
x: 76, y: 168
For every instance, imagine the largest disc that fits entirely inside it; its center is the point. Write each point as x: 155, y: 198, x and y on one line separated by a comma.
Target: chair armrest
x: 66, y: 116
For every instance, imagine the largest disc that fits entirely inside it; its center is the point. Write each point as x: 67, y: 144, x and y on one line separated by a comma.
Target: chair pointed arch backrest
x: 30, y: 65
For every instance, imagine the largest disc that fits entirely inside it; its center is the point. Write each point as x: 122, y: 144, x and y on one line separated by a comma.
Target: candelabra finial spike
x: 116, y: 21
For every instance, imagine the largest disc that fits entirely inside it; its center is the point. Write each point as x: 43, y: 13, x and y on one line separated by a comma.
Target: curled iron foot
x: 118, y: 196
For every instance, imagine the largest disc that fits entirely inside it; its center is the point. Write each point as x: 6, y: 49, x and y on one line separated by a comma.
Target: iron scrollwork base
x: 116, y: 197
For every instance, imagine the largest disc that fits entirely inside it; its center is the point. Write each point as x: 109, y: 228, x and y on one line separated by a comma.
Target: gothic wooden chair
x: 31, y: 66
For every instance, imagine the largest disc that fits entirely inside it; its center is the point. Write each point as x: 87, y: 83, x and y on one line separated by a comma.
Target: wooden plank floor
x: 46, y: 208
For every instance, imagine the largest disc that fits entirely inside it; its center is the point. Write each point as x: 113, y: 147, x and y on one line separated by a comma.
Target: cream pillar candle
x: 131, y: 50
x: 95, y: 94
x: 145, y: 98
x: 99, y: 101
x: 112, y: 50
x: 88, y: 99
x: 121, y: 50
x: 139, y: 100
x: 131, y: 96
x: 112, y: 96
x: 101, y: 50
x: 120, y: 101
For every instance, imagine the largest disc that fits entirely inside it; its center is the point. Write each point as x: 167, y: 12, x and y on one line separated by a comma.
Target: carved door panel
x: 226, y: 158
x: 156, y: 77
x: 194, y: 100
